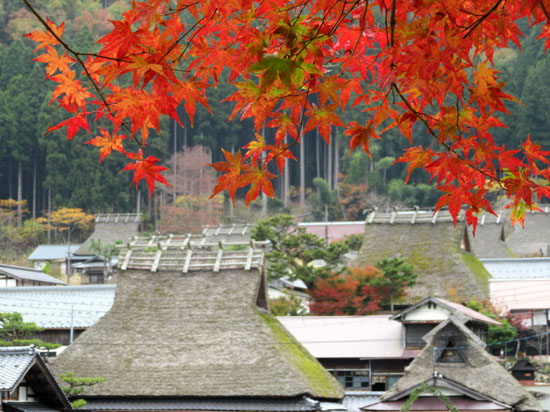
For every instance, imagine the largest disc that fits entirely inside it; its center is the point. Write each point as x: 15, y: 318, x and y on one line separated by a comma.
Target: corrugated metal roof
x: 521, y: 268
x: 472, y: 314
x: 526, y: 294
x: 14, y: 361
x: 51, y: 306
x: 24, y: 273
x: 208, y: 404
x: 51, y: 252
x: 354, y: 401
x: 432, y: 403
x: 374, y: 337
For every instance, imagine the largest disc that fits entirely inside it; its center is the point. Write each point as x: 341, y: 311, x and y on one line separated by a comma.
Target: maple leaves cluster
x: 296, y: 65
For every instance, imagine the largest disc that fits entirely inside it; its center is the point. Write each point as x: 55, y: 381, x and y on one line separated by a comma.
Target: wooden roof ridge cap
x: 118, y: 217
x: 412, y: 216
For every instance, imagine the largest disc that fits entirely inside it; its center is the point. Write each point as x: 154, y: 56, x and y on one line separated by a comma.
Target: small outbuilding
x: 26, y: 383
x: 524, y: 372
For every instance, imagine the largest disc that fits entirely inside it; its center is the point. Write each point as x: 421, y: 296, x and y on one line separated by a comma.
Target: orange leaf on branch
x: 107, y: 143
x: 146, y: 169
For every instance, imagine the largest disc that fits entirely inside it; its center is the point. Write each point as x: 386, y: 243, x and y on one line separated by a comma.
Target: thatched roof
x: 437, y: 249
x: 196, y: 334
x: 110, y: 228
x: 489, y: 239
x: 533, y: 240
x: 497, y: 238
x: 479, y: 372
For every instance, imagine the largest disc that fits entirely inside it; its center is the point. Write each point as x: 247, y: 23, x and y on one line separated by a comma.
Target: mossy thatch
x: 196, y: 334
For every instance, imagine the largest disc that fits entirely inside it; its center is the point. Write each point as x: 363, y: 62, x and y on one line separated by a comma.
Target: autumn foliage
x: 351, y: 293
x: 295, y: 67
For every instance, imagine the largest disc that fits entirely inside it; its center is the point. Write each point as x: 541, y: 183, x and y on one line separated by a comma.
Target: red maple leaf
x: 107, y: 142
x: 146, y: 169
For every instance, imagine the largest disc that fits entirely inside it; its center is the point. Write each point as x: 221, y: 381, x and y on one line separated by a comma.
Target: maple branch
x: 392, y: 22
x: 474, y: 25
x: 442, y: 143
x: 544, y: 10
x: 80, y: 61
x: 362, y: 28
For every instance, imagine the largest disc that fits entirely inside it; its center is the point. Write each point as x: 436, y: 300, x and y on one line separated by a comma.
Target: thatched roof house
x: 455, y: 363
x: 110, y: 228
x: 190, y: 327
x: 439, y: 250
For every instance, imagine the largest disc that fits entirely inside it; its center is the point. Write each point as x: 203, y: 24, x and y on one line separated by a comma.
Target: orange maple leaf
x: 232, y: 179
x: 107, y: 143
x: 44, y: 37
x: 54, y: 61
x: 361, y: 135
x: 73, y: 124
x: 255, y: 148
x: 146, y: 169
x: 260, y: 179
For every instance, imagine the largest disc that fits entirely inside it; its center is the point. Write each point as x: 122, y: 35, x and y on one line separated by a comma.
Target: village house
x: 440, y: 252
x: 56, y: 256
x: 370, y: 353
x: 109, y: 230
x: 189, y: 329
x: 455, y: 369
x: 26, y: 383
x: 15, y: 276
x: 61, y: 311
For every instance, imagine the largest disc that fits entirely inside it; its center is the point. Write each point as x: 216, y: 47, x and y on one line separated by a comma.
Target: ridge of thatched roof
x: 195, y: 334
x: 479, y: 372
x: 187, y: 252
x: 111, y: 228
x: 439, y: 252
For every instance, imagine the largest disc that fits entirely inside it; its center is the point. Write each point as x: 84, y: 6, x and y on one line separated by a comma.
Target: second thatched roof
x: 439, y: 251
x: 110, y: 228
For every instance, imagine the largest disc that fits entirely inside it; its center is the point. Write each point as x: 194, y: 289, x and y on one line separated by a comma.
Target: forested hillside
x: 50, y: 172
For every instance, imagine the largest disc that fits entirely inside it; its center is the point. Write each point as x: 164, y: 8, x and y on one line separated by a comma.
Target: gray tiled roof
x: 14, y: 361
x: 208, y: 404
x: 51, y: 306
x: 30, y: 407
x: 23, y: 273
x: 520, y: 268
x: 51, y: 252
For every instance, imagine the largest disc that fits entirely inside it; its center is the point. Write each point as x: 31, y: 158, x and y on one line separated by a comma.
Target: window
x: 96, y: 278
x: 353, y: 379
